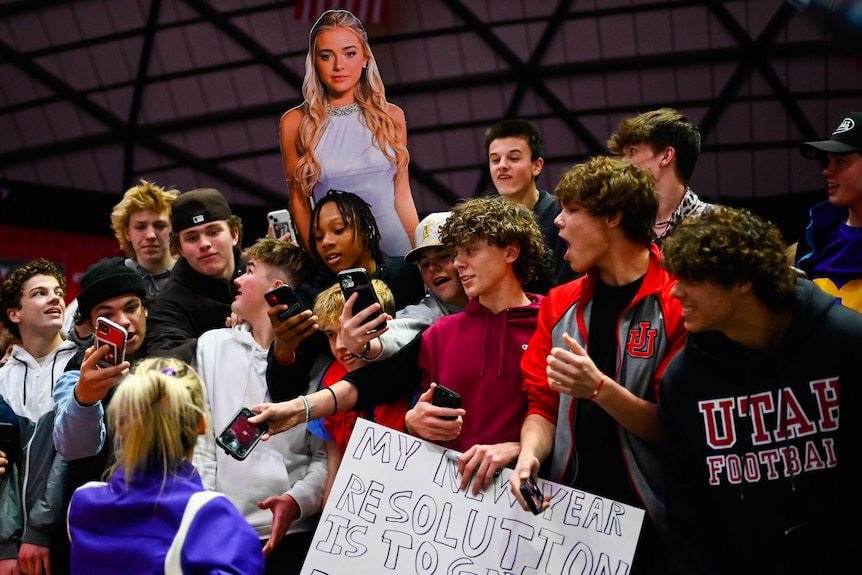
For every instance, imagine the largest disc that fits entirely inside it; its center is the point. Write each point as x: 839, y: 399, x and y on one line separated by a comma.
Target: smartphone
x: 357, y: 280
x: 282, y: 224
x: 240, y: 436
x: 10, y: 442
x: 445, y: 397
x: 112, y: 335
x: 284, y: 294
x: 531, y: 492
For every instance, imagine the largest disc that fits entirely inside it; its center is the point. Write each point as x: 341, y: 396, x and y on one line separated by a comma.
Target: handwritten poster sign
x: 396, y: 507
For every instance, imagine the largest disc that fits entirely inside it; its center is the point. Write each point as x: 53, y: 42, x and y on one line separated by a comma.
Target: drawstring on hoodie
x: 482, y: 347
x: 27, y: 372
x: 503, y: 343
x: 747, y: 441
x: 782, y: 414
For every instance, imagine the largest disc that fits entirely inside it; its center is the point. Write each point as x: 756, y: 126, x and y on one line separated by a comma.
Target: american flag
x: 369, y: 11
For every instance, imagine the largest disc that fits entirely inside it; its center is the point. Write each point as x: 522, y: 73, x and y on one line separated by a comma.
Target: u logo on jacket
x: 641, y: 343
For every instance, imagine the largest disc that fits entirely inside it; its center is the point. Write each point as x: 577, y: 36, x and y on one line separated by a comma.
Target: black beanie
x: 106, y: 279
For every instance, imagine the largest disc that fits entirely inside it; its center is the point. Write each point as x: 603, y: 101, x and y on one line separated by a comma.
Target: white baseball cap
x: 427, y: 234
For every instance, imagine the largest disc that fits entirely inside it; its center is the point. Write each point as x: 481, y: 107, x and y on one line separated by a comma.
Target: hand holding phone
x: 282, y: 225
x: 357, y: 280
x: 445, y: 397
x: 284, y: 294
x: 240, y: 436
x: 533, y: 495
x: 113, y: 336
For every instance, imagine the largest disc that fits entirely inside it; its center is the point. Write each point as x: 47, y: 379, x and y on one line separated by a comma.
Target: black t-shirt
x: 601, y: 469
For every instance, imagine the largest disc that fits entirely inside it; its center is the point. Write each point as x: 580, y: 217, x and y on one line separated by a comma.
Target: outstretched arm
x: 288, y: 414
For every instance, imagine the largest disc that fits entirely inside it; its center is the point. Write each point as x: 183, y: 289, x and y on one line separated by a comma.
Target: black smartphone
x: 10, y: 442
x: 240, y: 436
x: 445, y: 397
x: 533, y: 495
x: 112, y: 335
x: 357, y: 280
x: 284, y: 294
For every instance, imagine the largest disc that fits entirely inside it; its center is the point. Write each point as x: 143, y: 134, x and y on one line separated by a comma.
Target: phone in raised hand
x: 113, y: 336
x: 357, y: 280
x: 282, y: 225
x: 284, y: 294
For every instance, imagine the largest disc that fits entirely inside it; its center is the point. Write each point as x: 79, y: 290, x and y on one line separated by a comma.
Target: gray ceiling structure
x: 95, y: 94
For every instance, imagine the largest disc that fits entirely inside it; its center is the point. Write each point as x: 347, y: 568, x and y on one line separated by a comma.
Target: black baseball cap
x: 197, y: 207
x: 847, y: 137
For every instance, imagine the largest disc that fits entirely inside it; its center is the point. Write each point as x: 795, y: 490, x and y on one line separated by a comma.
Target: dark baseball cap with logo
x: 197, y: 207
x: 847, y: 137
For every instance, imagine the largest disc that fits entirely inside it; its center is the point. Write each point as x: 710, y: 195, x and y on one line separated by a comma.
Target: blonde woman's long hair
x: 369, y: 92
x: 155, y: 414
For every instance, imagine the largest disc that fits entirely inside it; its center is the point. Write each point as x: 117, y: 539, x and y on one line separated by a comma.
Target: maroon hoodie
x: 477, y: 354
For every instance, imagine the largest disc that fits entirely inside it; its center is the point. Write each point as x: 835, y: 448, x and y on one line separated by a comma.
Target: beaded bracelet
x: 307, y: 408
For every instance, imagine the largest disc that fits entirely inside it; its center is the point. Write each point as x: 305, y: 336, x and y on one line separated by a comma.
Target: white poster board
x: 396, y: 507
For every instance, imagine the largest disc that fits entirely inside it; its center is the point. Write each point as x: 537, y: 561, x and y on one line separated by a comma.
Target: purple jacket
x: 118, y: 531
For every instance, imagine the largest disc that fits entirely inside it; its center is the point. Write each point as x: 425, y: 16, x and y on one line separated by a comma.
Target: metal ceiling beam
x: 529, y: 80
x: 485, y: 33
x: 668, y: 60
x: 138, y: 94
x: 116, y: 125
x: 755, y: 58
x: 239, y: 115
x: 10, y: 9
x: 254, y: 48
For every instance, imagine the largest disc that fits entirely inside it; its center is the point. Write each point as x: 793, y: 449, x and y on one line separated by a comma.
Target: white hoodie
x: 27, y: 386
x: 232, y: 366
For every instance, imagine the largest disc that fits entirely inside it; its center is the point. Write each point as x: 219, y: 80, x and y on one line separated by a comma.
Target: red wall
x: 73, y: 253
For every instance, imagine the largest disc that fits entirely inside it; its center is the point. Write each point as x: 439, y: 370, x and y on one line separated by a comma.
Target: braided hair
x: 357, y: 216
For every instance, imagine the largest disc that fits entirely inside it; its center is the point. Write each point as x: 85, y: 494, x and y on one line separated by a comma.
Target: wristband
x: 307, y: 408
x: 598, y: 388
x: 365, y: 352
x: 334, y: 399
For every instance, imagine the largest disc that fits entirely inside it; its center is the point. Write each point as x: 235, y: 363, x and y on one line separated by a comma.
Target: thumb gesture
x: 574, y: 345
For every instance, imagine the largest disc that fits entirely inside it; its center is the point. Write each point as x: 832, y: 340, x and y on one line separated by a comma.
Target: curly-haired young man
x: 32, y: 308
x: 477, y: 352
x: 759, y: 462
x: 601, y: 344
